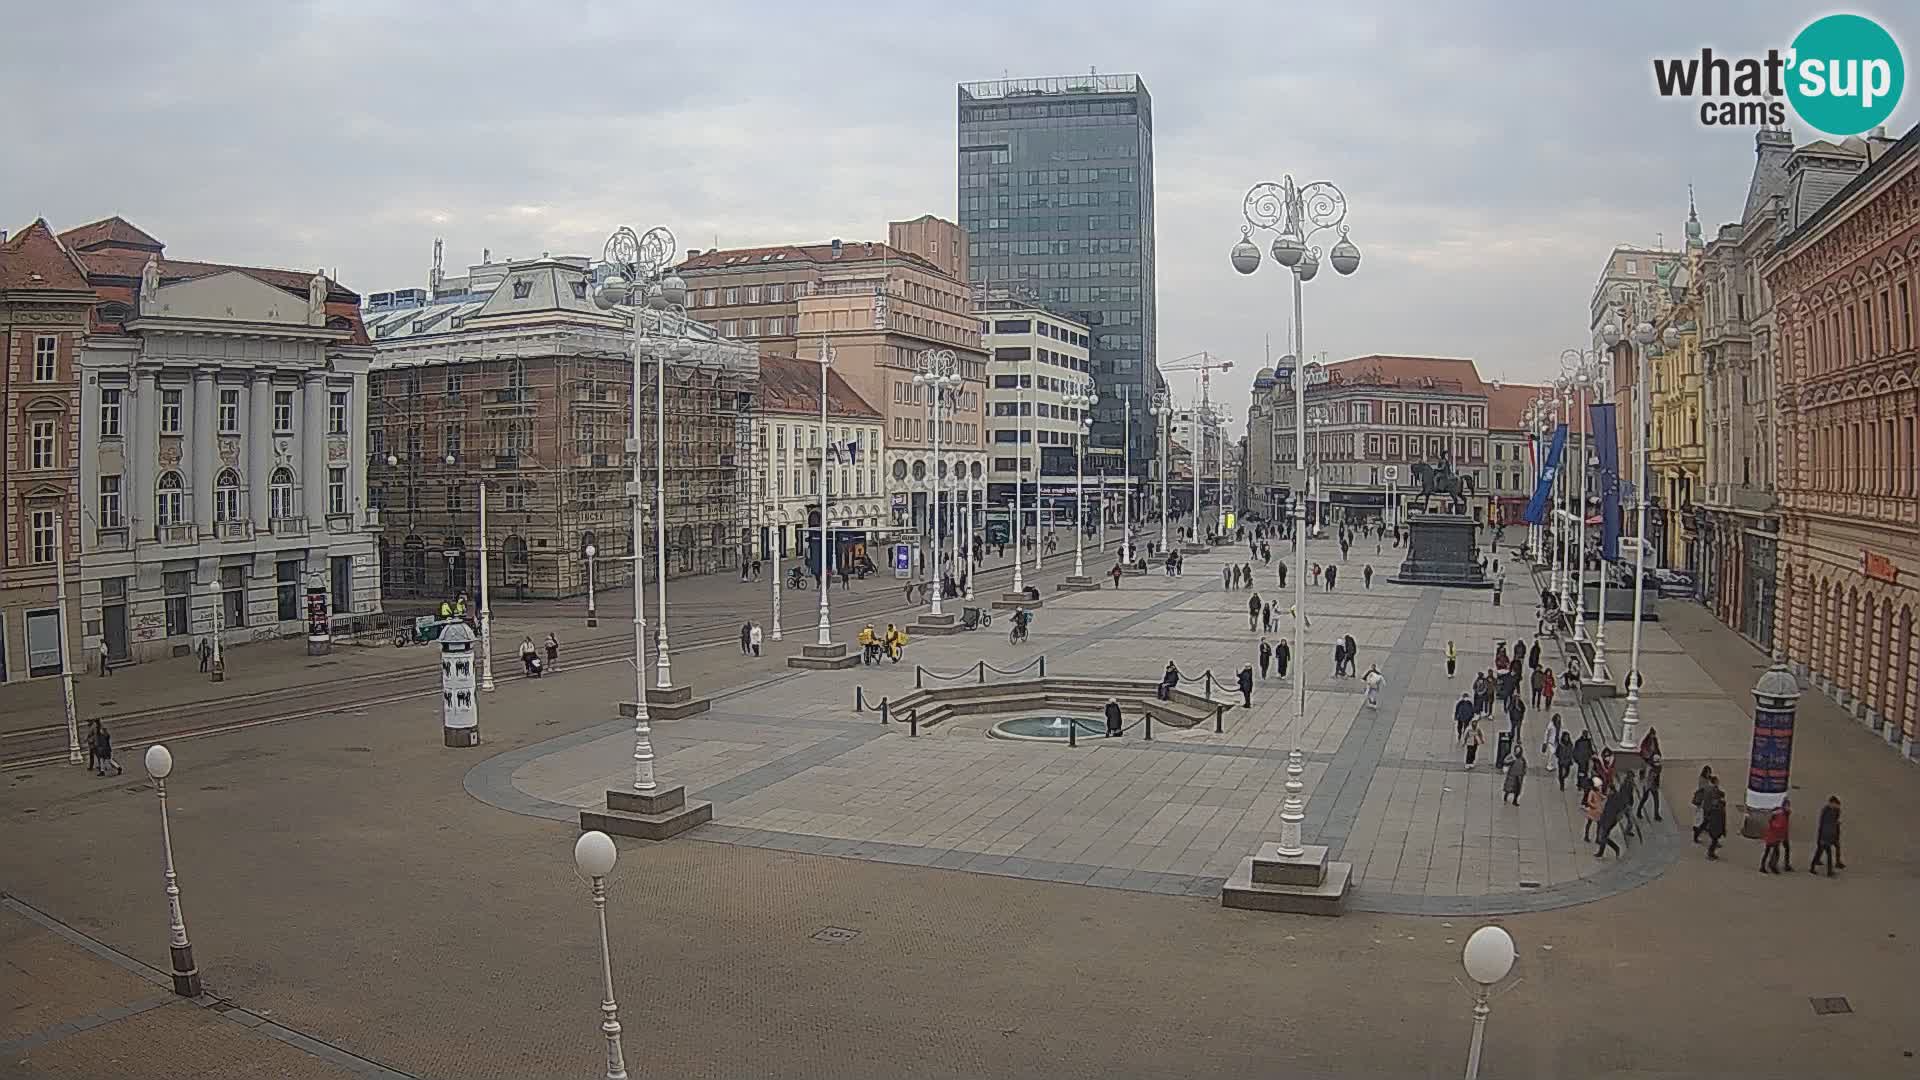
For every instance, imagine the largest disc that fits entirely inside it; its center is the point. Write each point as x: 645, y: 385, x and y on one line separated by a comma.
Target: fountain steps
x: 1071, y: 694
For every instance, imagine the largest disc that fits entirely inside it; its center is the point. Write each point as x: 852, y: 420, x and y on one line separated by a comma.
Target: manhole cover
x: 360, y: 749
x: 1529, y: 884
x: 835, y: 935
x: 1828, y: 1006
x: 213, y: 787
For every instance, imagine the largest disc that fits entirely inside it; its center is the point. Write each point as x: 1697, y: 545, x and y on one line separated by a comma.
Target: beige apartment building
x: 877, y: 307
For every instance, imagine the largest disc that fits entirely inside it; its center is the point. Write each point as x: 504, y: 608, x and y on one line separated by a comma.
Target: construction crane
x: 1205, y: 363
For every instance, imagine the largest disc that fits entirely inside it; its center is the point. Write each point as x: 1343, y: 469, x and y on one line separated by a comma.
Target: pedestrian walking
x: 1482, y: 691
x: 1537, y: 681
x: 1650, y: 789
x: 1367, y: 573
x: 1714, y: 817
x: 1331, y: 571
x: 1516, y: 712
x: 1583, y: 757
x: 1253, y: 613
x: 1453, y: 658
x: 1463, y: 713
x: 1552, y: 737
x: 1373, y: 679
x: 1226, y: 577
x: 1471, y: 738
x: 1610, y: 811
x: 529, y: 656
x: 1246, y: 575
x: 1700, y: 788
x: 1283, y: 575
x: 1245, y: 681
x: 1604, y: 769
x: 1533, y: 657
x: 1516, y: 776
x: 755, y: 639
x: 1563, y: 757
x: 1316, y: 575
x: 206, y: 654
x: 553, y: 650
x: 100, y: 749
x: 1779, y: 823
x: 1115, y: 574
x: 1592, y: 801
x: 106, y: 664
x: 1629, y: 788
x: 1266, y: 657
x: 1826, y: 838
x: 1339, y: 657
x: 1282, y: 658
x: 1546, y: 687
x: 1113, y: 718
x: 1353, y: 654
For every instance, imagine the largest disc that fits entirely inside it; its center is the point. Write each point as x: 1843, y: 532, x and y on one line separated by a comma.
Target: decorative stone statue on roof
x: 317, y: 300
x: 150, y: 278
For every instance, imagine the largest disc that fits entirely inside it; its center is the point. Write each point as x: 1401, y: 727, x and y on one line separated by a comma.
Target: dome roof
x: 1263, y: 378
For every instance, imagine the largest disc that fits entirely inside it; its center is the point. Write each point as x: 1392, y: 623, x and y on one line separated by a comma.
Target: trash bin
x: 1503, y: 747
x: 1496, y: 596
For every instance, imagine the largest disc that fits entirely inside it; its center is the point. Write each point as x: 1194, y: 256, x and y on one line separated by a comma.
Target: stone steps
x: 1308, y: 884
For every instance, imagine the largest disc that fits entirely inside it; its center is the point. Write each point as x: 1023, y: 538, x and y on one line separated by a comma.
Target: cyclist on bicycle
x: 1022, y: 620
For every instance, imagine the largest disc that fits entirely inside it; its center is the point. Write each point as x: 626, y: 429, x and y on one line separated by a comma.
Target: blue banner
x: 1538, y: 506
x: 1601, y: 421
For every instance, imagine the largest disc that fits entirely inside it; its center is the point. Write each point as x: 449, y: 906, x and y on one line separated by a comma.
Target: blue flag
x: 1602, y: 422
x: 1543, y: 490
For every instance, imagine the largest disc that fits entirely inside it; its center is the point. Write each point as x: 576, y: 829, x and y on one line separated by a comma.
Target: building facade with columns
x: 44, y: 305
x: 230, y: 406
x: 790, y: 452
x: 1845, y: 282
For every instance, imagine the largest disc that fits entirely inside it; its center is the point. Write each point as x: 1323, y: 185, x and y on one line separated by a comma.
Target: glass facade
x: 1056, y: 196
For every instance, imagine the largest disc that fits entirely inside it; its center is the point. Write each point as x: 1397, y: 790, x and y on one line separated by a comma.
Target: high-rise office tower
x: 1056, y: 196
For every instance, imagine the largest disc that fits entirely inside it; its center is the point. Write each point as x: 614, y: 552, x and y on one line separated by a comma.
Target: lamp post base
x: 186, y: 977
x: 460, y: 737
x: 654, y: 815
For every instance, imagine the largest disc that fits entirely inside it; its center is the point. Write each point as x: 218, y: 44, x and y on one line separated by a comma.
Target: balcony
x: 238, y: 529
x: 288, y: 526
x: 370, y: 518
x: 512, y: 395
x: 178, y: 535
x: 339, y: 524
x: 110, y: 539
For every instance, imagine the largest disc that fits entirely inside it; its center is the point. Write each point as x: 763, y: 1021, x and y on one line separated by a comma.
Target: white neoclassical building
x: 225, y: 480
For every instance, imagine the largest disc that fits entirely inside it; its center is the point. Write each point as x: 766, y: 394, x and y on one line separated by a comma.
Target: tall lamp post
x: 186, y: 977
x: 1162, y: 411
x: 1081, y: 399
x: 1583, y: 366
x: 594, y: 854
x: 593, y: 616
x: 940, y: 374
x: 1488, y: 957
x: 1126, y: 473
x: 635, y: 260
x: 971, y: 471
x: 1296, y: 215
x: 774, y: 523
x: 1643, y: 336
x: 824, y: 625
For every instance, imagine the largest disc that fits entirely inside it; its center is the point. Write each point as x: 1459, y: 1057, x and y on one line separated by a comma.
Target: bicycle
x: 1017, y: 635
x: 796, y: 579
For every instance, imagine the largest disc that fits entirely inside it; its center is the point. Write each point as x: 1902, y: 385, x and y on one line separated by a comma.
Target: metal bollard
x: 1209, y: 677
x: 982, y: 666
x: 883, y: 711
x: 913, y: 724
x: 917, y: 669
x: 859, y: 699
x: 1217, y: 711
x: 1073, y: 732
x: 1149, y: 725
x: 1043, y: 665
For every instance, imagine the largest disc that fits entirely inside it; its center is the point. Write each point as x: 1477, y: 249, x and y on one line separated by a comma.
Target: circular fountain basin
x: 1047, y: 728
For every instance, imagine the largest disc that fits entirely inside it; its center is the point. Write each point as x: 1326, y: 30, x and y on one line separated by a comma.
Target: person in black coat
x: 1610, y: 812
x: 1826, y: 838
x: 1463, y: 713
x: 1113, y: 718
x: 1245, y: 681
x: 1169, y: 680
x: 1533, y: 657
x: 1266, y: 657
x: 1353, y: 651
x: 1713, y: 817
x: 1282, y: 658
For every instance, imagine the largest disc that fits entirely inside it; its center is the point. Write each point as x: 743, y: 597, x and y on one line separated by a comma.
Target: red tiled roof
x: 126, y: 266
x: 1450, y: 373
x: 782, y: 255
x: 1506, y: 403
x: 35, y: 259
x: 111, y: 232
x: 790, y: 385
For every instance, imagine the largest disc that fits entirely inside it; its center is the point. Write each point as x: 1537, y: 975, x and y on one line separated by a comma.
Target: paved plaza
x: 789, y: 765
x: 356, y: 909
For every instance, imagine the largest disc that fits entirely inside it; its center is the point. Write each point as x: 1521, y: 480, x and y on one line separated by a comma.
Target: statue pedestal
x: 1441, y: 550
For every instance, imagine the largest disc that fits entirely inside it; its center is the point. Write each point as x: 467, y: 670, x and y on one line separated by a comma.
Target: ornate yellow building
x: 1677, y: 448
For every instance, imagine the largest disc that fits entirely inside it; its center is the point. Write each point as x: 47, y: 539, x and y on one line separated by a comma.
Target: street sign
x: 1392, y: 473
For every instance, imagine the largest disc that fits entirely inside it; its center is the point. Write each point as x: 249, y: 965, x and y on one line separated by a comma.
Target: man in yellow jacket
x: 869, y: 645
x: 896, y: 642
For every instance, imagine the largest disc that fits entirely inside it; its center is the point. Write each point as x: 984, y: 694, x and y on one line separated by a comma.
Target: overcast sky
x: 1491, y: 153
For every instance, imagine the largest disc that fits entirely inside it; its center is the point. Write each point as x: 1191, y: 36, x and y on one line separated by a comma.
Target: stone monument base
x: 1441, y: 550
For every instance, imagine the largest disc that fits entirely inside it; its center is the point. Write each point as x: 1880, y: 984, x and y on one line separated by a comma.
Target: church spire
x: 1693, y: 222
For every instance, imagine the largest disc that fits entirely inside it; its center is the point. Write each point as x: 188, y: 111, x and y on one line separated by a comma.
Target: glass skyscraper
x: 1056, y: 195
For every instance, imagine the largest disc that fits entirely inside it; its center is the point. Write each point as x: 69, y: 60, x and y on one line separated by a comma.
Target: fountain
x: 1048, y: 728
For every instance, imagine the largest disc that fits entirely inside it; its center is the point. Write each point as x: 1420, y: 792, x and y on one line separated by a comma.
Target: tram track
x: 134, y: 730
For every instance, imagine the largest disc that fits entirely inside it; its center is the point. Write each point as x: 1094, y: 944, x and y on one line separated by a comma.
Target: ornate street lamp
x: 1643, y: 337
x: 1295, y: 215
x: 940, y: 374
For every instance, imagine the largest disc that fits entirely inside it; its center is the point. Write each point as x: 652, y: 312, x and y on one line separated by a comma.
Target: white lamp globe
x: 592, y: 551
x: 1246, y: 256
x: 610, y: 293
x: 159, y: 761
x: 1488, y: 956
x: 594, y: 853
x: 1610, y: 334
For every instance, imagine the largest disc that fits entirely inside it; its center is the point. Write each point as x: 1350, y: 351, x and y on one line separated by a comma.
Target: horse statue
x: 1440, y: 479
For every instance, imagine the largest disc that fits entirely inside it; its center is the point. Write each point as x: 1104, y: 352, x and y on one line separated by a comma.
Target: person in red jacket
x: 1778, y: 824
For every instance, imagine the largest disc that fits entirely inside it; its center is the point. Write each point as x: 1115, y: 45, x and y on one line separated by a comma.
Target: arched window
x: 281, y: 489
x: 226, y: 496
x: 170, y: 500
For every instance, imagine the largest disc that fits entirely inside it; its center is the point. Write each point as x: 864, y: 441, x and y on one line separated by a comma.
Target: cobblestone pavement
x: 338, y: 879
x: 790, y: 766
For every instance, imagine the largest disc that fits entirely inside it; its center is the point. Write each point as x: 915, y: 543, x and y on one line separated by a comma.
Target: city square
x: 913, y: 573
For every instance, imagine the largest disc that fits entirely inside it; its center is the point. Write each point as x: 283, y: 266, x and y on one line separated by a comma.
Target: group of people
x: 750, y: 638
x: 530, y: 658
x: 893, y: 644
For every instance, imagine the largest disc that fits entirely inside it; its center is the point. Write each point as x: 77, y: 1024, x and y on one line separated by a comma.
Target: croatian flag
x: 1543, y: 491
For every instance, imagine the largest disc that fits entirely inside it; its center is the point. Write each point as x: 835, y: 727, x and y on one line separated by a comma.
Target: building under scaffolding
x: 525, y: 386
